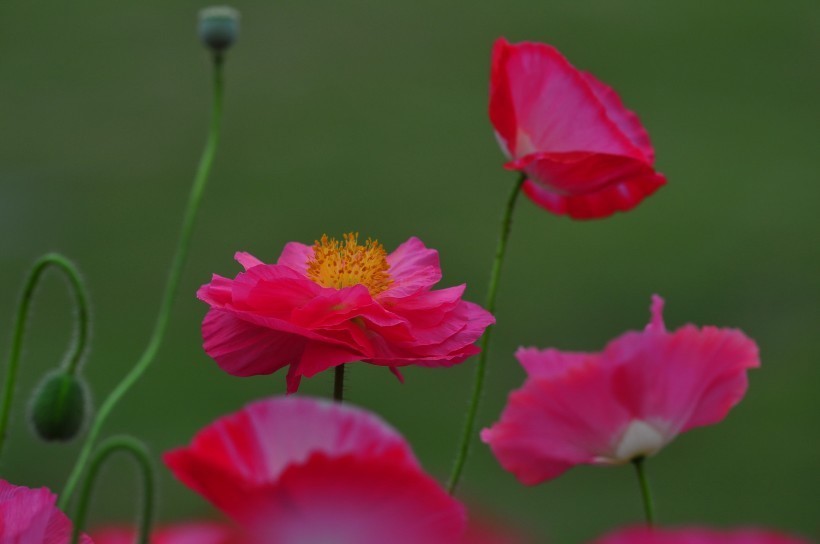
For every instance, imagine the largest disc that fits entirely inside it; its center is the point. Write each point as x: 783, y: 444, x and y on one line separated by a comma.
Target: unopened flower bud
x: 218, y: 27
x: 59, y: 407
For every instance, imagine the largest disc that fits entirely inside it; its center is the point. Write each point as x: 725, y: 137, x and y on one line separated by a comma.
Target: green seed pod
x: 59, y: 407
x: 218, y: 27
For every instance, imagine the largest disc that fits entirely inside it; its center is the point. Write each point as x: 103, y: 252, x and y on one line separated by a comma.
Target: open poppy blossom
x: 695, y: 535
x: 182, y: 533
x: 338, y: 302
x: 29, y: 516
x: 585, y: 155
x: 624, y: 403
x: 299, y: 470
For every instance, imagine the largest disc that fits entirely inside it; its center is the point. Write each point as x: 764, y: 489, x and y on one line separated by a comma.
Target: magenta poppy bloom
x: 338, y: 302
x: 29, y: 516
x: 585, y: 155
x: 626, y: 402
x: 299, y: 470
x: 182, y: 533
x: 692, y: 535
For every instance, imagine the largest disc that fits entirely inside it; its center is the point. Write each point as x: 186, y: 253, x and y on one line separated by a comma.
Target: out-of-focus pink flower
x: 626, y: 402
x: 182, y: 533
x: 696, y: 535
x: 584, y: 153
x: 338, y: 302
x: 29, y: 516
x: 296, y: 470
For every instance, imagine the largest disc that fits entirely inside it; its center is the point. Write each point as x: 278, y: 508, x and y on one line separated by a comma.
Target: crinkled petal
x: 296, y: 256
x: 413, y: 267
x: 29, y: 516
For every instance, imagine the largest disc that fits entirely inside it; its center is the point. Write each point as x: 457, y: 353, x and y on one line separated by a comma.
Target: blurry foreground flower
x: 622, y: 404
x: 181, y: 533
x: 337, y: 302
x: 643, y: 535
x: 584, y: 153
x: 299, y: 470
x: 29, y: 516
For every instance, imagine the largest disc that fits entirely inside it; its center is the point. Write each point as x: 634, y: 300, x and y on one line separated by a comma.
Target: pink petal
x: 296, y: 256
x: 29, y: 516
x: 627, y: 121
x: 555, y: 109
x: 350, y: 500
x: 413, y: 267
x: 697, y: 535
x: 232, y: 460
x: 549, y: 363
x: 587, y: 185
x: 247, y: 260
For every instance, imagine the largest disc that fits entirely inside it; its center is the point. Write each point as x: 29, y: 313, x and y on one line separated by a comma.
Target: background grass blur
x: 371, y: 116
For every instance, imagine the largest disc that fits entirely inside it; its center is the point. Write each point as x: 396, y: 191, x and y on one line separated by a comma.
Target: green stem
x: 339, y: 383
x: 125, y: 444
x: 481, y: 369
x: 648, y: 507
x: 78, y: 346
x: 170, y: 289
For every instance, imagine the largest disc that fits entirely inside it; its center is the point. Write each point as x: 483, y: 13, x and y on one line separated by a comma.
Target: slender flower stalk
x: 339, y: 383
x: 77, y: 349
x: 648, y: 506
x: 481, y: 370
x: 137, y: 450
x: 170, y: 289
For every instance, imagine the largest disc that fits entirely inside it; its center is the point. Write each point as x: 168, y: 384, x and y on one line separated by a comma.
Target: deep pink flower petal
x: 587, y: 185
x: 181, y: 533
x: 273, y: 316
x: 584, y: 153
x: 697, y: 535
x: 249, y: 449
x: 554, y: 105
x: 413, y: 267
x: 350, y: 500
x: 630, y: 400
x: 29, y: 516
x: 296, y: 256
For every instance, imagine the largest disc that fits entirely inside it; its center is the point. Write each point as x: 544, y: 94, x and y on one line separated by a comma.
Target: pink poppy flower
x: 338, y: 302
x: 182, y: 533
x: 645, y: 535
x: 296, y: 470
x: 584, y: 153
x: 626, y: 402
x: 29, y: 516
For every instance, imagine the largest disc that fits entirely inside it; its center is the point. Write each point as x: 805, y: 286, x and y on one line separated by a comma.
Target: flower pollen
x: 344, y: 263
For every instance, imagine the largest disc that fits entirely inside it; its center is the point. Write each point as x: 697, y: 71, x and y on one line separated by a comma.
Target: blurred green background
x: 371, y: 116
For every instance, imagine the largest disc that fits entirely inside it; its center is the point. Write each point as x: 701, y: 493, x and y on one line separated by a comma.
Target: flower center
x: 343, y: 263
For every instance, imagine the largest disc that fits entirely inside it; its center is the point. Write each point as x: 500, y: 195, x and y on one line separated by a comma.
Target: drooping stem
x: 137, y: 450
x: 481, y: 369
x: 339, y: 383
x: 170, y: 289
x: 78, y: 347
x: 646, y: 495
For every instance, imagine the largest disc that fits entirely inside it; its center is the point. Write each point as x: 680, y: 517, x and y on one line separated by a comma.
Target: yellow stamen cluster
x: 343, y: 263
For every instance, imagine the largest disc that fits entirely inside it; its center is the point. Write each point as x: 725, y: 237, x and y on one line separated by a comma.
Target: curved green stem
x: 339, y: 383
x: 137, y: 450
x: 648, y: 507
x: 481, y: 369
x: 170, y: 289
x: 79, y: 344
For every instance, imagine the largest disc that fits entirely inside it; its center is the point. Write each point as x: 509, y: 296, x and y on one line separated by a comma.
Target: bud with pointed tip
x: 59, y: 407
x: 218, y: 27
